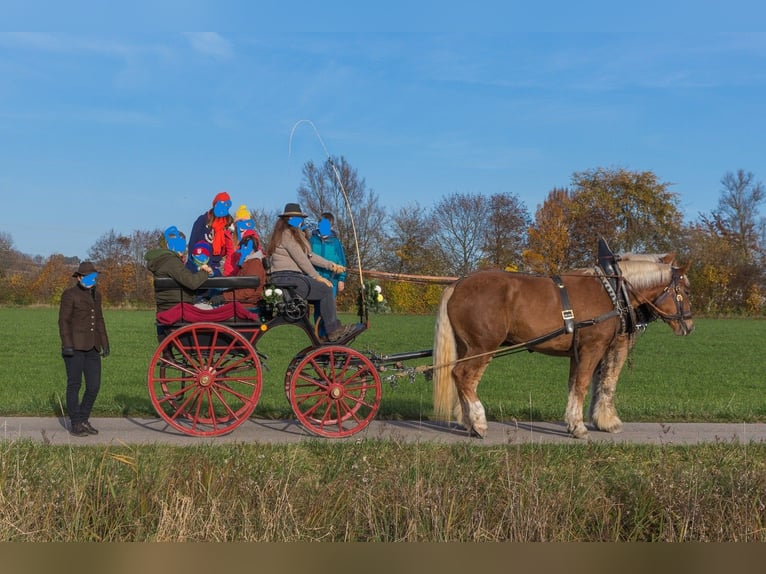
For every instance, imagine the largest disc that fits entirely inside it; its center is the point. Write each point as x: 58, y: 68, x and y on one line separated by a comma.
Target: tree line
x: 634, y: 211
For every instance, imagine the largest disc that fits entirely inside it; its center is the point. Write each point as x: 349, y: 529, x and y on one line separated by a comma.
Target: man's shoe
x: 78, y: 429
x: 89, y: 428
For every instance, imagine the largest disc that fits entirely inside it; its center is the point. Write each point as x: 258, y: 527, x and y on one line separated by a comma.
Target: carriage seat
x: 187, y: 313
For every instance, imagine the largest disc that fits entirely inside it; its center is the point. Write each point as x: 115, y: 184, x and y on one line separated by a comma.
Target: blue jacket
x: 330, y: 248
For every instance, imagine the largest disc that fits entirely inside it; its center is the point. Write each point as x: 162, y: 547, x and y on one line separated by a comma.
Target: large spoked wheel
x: 291, y: 368
x: 334, y: 391
x: 205, y: 379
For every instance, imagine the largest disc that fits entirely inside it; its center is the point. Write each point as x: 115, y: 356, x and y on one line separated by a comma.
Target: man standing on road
x: 83, y: 343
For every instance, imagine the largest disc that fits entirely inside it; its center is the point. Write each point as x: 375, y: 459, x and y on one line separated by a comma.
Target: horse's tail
x: 444, y: 354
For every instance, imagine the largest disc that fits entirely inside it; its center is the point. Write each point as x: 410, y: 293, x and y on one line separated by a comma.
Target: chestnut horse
x: 576, y: 315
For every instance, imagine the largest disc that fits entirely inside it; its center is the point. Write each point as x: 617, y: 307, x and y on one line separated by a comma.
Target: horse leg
x: 580, y: 373
x: 603, y: 413
x: 467, y: 376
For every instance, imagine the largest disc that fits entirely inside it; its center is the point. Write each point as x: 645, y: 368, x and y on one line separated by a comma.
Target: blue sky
x: 139, y: 130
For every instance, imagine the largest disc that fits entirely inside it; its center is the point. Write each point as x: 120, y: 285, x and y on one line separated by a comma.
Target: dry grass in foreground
x: 382, y: 491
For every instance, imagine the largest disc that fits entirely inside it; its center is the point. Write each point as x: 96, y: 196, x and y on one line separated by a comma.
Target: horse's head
x: 673, y: 304
x: 662, y: 291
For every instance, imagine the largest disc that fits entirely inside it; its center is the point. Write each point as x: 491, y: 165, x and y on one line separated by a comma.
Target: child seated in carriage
x: 248, y: 262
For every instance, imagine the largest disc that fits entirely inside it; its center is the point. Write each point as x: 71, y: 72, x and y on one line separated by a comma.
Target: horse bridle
x: 674, y: 289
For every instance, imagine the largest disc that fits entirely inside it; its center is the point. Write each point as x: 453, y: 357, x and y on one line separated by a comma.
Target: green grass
x: 716, y: 374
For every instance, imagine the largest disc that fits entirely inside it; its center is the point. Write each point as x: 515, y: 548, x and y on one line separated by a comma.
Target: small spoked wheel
x: 334, y: 391
x: 205, y: 379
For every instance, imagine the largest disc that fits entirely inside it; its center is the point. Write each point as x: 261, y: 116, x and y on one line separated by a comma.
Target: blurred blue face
x: 243, y: 225
x: 296, y: 222
x: 245, y: 249
x: 221, y: 208
x: 324, y: 227
x: 200, y: 259
x: 89, y: 280
x: 177, y: 244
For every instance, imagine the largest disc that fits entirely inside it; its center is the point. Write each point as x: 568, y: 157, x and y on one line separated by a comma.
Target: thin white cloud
x: 211, y: 44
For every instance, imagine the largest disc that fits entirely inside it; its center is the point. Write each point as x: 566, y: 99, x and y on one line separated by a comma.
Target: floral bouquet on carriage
x: 271, y: 301
x: 371, y: 298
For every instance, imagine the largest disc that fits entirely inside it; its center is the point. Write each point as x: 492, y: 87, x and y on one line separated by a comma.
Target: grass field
x: 716, y: 374
x: 387, y: 491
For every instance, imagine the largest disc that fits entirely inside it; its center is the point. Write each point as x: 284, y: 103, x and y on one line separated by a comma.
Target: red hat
x: 222, y: 196
x: 201, y: 248
x: 252, y: 233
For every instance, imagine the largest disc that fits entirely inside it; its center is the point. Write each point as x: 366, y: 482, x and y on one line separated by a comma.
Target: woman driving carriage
x: 291, y: 256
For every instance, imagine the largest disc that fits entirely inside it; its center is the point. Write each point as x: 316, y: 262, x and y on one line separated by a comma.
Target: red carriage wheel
x: 334, y: 391
x: 299, y: 356
x: 205, y: 379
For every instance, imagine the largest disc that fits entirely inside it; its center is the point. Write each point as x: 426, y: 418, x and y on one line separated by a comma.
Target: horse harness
x: 608, y: 272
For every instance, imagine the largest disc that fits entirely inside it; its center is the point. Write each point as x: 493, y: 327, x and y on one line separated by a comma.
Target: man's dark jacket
x: 81, y: 321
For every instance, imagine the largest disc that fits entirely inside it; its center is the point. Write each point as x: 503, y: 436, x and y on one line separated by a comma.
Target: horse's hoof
x: 580, y: 433
x: 613, y: 428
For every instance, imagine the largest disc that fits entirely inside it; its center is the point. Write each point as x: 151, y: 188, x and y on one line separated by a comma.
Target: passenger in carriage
x: 291, y: 255
x: 325, y: 242
x: 170, y: 261
x: 214, y: 227
x: 200, y: 254
x: 249, y: 258
x: 243, y: 222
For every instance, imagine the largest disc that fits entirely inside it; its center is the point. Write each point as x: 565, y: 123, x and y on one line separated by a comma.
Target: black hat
x: 84, y: 269
x: 293, y: 210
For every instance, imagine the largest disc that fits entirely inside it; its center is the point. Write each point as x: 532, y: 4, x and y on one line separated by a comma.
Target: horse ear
x: 668, y: 258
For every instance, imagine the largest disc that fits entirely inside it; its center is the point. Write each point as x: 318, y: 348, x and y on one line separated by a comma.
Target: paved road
x: 154, y: 430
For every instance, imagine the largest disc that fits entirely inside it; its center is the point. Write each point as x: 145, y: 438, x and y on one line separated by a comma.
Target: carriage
x: 206, y: 375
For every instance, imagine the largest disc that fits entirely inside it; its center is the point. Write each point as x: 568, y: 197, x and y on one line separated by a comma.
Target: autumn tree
x: 123, y: 277
x: 53, y: 278
x: 6, y: 252
x: 633, y: 211
x: 728, y: 252
x: 548, y: 237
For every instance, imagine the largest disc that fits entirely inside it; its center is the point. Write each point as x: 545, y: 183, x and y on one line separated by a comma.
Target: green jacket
x: 165, y: 263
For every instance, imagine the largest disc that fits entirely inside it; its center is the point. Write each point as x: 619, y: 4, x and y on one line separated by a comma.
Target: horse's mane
x: 656, y: 257
x: 645, y: 272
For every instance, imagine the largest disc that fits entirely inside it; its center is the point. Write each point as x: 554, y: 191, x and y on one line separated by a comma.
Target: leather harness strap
x: 566, y: 312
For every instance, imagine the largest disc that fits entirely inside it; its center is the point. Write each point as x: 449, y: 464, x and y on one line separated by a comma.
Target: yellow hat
x: 242, y: 213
